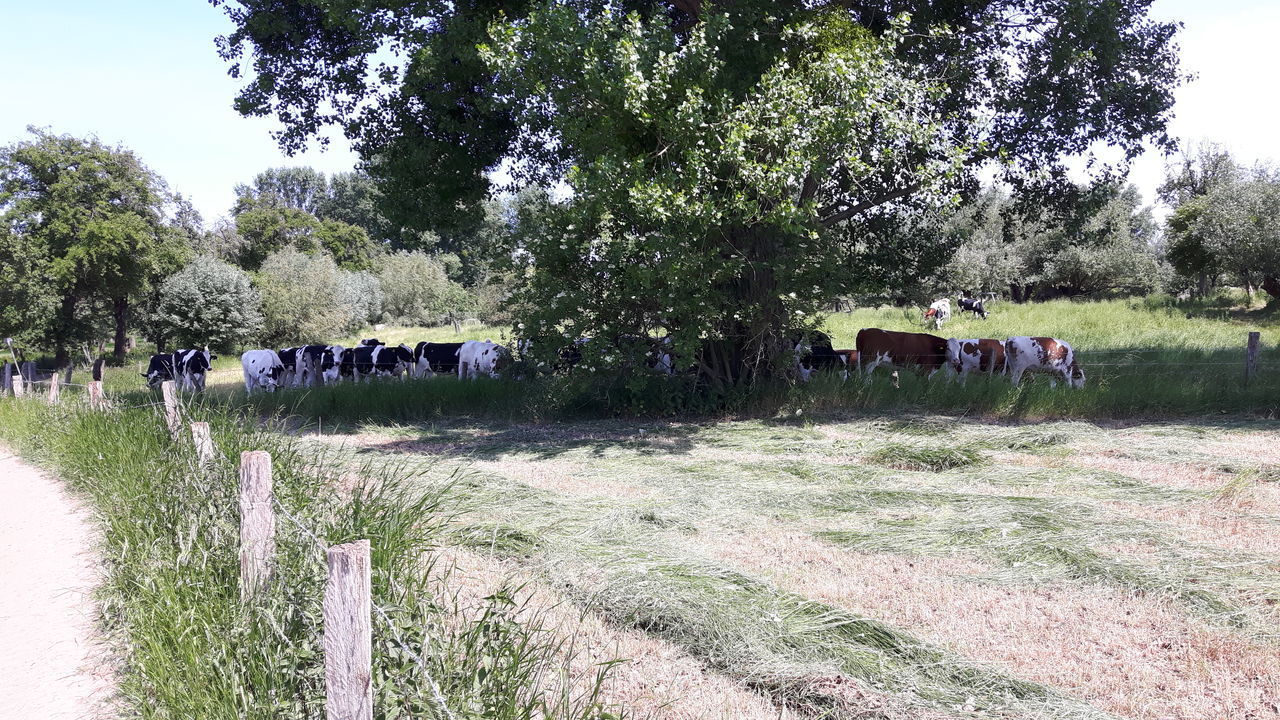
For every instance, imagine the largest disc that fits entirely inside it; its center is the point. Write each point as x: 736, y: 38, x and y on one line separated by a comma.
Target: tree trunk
x: 1271, y: 284
x: 120, y: 311
x: 67, y: 320
x: 1015, y: 292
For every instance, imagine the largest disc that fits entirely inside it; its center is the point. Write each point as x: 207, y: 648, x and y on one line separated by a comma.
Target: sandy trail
x: 52, y: 665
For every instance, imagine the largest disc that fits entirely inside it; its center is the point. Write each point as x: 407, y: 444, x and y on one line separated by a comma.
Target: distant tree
x: 301, y: 298
x: 92, y: 217
x: 361, y: 294
x: 207, y: 303
x: 1240, y: 227
x: 1186, y: 186
x: 299, y: 188
x: 265, y: 228
x: 349, y: 245
x: 417, y: 290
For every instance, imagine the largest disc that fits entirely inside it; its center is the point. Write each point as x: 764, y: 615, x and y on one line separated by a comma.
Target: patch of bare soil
x: 1134, y: 656
x: 53, y: 665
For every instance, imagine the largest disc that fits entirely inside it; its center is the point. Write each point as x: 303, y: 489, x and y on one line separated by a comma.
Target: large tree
x: 88, y: 220
x: 733, y: 164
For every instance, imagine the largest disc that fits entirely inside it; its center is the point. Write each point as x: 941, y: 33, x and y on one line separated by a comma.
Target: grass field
x: 849, y: 550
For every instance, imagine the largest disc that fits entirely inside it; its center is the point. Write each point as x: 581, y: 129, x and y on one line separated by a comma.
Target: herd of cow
x: 266, y: 370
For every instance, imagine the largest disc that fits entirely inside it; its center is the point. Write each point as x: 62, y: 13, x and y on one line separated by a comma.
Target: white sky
x: 145, y: 74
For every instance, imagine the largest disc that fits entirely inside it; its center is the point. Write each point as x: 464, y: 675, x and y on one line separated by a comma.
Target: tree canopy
x: 732, y: 165
x: 85, y: 224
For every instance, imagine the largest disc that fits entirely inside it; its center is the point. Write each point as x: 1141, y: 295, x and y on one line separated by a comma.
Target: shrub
x: 417, y: 290
x: 302, y: 298
x: 208, y: 303
x: 361, y: 294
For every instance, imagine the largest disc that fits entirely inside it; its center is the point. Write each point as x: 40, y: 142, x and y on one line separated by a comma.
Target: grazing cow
x: 476, y: 358
x: 370, y: 360
x: 187, y: 367
x: 926, y: 353
x: 371, y: 342
x: 193, y: 368
x: 974, y: 306
x: 289, y: 358
x: 975, y: 355
x: 161, y: 368
x: 435, y: 358
x: 326, y: 363
x: 262, y: 369
x: 939, y: 312
x: 1042, y: 354
x: 848, y: 359
x: 813, y: 352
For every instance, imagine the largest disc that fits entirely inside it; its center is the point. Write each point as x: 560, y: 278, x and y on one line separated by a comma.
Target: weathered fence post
x: 257, y: 523
x: 203, y: 441
x: 19, y: 387
x: 28, y: 372
x: 1251, y: 357
x: 54, y: 388
x: 172, y: 417
x: 313, y: 371
x: 67, y: 378
x: 6, y: 379
x: 97, y: 400
x: 348, y: 634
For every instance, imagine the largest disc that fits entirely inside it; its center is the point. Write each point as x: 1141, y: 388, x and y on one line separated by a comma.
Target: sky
x: 145, y: 74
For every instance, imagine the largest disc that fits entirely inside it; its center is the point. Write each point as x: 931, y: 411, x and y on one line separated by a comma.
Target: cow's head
x: 931, y: 312
x: 1077, y: 375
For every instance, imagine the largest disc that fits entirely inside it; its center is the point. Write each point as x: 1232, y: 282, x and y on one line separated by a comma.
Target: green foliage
x: 266, y: 228
x: 754, y: 159
x: 301, y: 298
x: 207, y: 303
x: 191, y: 647
x: 417, y: 291
x: 299, y: 188
x: 1240, y: 224
x: 84, y: 225
x: 360, y: 293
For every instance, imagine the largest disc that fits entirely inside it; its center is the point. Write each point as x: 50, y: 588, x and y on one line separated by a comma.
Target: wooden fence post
x: 1251, y: 357
x: 6, y: 379
x: 172, y: 417
x: 257, y: 523
x: 203, y: 442
x: 19, y: 386
x: 348, y: 634
x: 97, y: 400
x: 28, y: 372
x: 54, y: 388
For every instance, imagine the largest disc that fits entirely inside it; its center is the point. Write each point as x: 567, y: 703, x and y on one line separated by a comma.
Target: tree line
x: 94, y: 245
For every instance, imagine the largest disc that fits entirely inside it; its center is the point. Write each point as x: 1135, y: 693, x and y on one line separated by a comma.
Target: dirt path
x: 51, y: 663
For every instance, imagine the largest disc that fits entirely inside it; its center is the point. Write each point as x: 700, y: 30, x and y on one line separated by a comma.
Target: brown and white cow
x: 975, y: 355
x: 927, y: 353
x: 1042, y: 354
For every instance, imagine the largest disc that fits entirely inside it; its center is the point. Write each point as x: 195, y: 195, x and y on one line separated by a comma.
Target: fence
x: 348, y: 606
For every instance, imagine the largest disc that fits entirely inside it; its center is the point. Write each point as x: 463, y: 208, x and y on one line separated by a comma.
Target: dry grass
x: 653, y: 679
x: 564, y: 478
x: 1133, y: 656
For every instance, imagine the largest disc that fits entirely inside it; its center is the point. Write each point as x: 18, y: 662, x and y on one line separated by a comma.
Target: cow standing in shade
x: 924, y: 352
x: 369, y: 361
x: 435, y: 358
x: 480, y: 357
x: 813, y: 352
x: 188, y: 368
x: 262, y: 370
x: 974, y: 306
x: 1042, y: 354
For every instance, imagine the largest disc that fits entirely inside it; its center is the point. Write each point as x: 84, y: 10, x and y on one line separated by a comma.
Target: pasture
x: 841, y: 549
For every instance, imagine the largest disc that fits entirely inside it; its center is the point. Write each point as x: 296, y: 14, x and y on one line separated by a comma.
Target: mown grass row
x: 188, y: 648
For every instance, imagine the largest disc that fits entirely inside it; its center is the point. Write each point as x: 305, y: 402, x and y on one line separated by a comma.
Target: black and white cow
x: 974, y: 306
x: 325, y: 360
x: 813, y: 351
x: 262, y: 370
x: 373, y: 360
x: 436, y: 358
x: 189, y: 368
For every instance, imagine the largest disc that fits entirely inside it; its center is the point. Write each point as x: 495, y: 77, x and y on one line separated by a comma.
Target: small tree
x: 418, y: 291
x: 301, y: 298
x: 207, y: 303
x: 361, y: 295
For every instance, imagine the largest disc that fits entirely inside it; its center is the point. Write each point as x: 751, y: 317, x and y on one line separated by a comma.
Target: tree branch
x: 868, y: 204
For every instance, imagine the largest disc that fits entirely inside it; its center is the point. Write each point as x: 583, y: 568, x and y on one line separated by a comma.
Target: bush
x: 417, y: 290
x: 207, y: 303
x: 302, y: 298
x: 361, y: 294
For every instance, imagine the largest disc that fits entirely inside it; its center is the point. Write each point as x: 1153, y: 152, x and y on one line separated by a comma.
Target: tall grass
x: 170, y: 597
